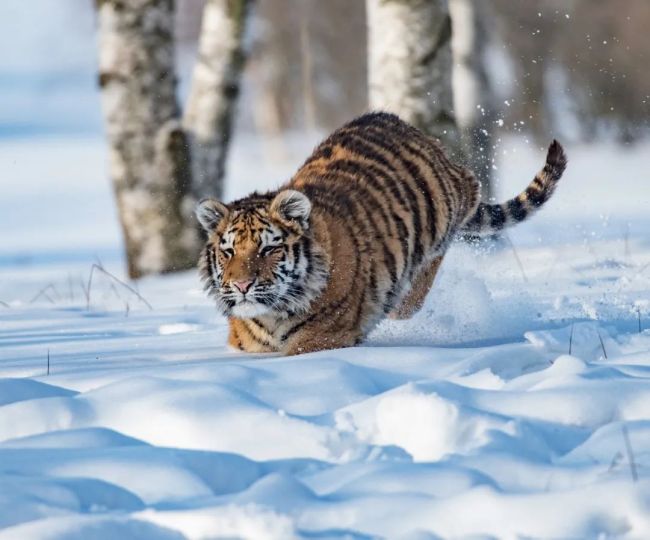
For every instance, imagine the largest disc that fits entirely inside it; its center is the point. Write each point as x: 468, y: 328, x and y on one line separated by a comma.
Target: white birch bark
x: 410, y: 64
x: 149, y: 161
x: 474, y: 101
x: 214, y: 90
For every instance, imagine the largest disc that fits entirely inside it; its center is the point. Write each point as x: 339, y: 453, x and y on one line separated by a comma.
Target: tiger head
x: 260, y: 257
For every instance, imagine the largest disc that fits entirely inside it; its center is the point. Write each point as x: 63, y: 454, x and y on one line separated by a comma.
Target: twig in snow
x: 630, y: 454
x: 59, y: 297
x: 615, y: 461
x: 43, y: 292
x: 89, y: 286
x: 514, y: 251
x: 571, y: 339
x: 85, y: 291
x: 638, y: 313
x: 108, y: 274
x: 4, y: 304
x: 602, y: 344
x: 70, y: 288
x: 115, y: 291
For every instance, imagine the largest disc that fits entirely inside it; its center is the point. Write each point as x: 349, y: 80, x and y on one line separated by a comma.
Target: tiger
x: 356, y: 235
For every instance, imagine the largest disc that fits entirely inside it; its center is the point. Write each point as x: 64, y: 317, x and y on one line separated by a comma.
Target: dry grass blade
x: 70, y: 288
x: 630, y: 454
x: 602, y: 345
x: 4, y: 304
x: 117, y: 280
x: 43, y: 292
x: 48, y: 362
x: 58, y: 295
x: 88, y: 287
x: 516, y: 254
x: 615, y: 461
x: 85, y: 291
x: 638, y: 313
x: 116, y: 292
x: 571, y: 340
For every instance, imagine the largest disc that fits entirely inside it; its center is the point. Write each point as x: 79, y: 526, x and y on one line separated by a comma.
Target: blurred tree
x: 410, y: 64
x: 530, y: 42
x: 474, y: 100
x: 607, y: 63
x: 308, y: 64
x: 151, y: 150
x: 579, y: 66
x: 215, y: 87
x: 571, y: 69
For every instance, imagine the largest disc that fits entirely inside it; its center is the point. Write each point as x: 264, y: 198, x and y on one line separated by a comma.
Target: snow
x: 498, y: 397
x: 48, y: 77
x: 515, y: 404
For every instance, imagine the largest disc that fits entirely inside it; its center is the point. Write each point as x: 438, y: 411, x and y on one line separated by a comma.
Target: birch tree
x: 214, y: 91
x: 150, y: 148
x: 410, y: 64
x: 474, y: 100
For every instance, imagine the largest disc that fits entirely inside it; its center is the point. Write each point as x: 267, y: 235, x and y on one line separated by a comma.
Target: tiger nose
x: 243, y: 285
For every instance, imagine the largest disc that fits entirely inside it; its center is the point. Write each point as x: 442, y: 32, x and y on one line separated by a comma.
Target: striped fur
x: 357, y: 234
x: 490, y: 218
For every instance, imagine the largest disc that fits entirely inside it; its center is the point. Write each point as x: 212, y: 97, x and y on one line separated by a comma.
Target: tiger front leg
x: 420, y: 287
x: 246, y: 336
x: 313, y: 339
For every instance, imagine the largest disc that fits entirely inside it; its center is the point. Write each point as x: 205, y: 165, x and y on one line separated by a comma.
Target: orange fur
x: 357, y: 234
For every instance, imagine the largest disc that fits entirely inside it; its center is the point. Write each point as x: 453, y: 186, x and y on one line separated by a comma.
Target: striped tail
x: 490, y: 218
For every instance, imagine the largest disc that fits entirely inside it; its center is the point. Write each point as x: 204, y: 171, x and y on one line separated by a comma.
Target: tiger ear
x: 210, y: 212
x: 290, y: 204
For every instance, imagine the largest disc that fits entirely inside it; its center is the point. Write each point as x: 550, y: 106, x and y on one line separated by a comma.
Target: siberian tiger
x: 357, y: 234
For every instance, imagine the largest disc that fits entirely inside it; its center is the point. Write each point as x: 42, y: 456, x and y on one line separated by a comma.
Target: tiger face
x: 260, y: 258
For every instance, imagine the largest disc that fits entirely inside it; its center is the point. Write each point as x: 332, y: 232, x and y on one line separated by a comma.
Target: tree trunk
x: 214, y: 90
x: 474, y: 100
x: 410, y: 64
x: 307, y: 70
x: 155, y: 181
x: 149, y: 160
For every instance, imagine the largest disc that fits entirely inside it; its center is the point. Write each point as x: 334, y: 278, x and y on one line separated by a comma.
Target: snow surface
x: 471, y: 420
x: 516, y: 404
